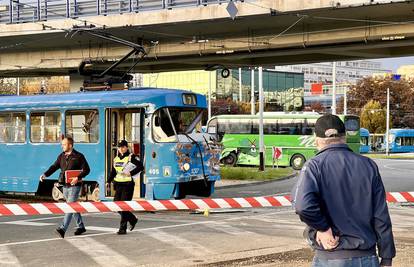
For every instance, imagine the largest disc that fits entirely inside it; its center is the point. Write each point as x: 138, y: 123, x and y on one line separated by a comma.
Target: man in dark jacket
x: 341, y: 197
x: 122, y: 175
x: 69, y: 159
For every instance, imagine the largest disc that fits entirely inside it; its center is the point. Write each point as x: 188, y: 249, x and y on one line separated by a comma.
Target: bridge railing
x: 21, y: 11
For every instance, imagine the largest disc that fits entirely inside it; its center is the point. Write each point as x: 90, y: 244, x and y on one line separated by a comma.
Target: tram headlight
x: 186, y: 167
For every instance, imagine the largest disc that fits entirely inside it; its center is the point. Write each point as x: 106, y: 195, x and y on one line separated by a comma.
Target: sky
x: 394, y: 63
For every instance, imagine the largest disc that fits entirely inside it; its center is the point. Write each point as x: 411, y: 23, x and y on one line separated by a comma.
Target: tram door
x: 124, y: 124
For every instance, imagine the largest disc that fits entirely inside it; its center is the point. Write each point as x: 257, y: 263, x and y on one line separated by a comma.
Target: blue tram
x: 401, y: 141
x: 162, y: 126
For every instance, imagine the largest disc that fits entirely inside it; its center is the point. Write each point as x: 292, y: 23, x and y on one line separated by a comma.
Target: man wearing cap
x: 124, y: 183
x: 341, y: 198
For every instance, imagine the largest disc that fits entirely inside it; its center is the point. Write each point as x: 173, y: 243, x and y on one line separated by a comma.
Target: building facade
x: 282, y: 90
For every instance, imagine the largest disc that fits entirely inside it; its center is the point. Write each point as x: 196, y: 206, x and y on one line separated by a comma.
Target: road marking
x: 7, y: 258
x: 102, y: 229
x: 100, y: 253
x: 228, y: 229
x: 188, y: 246
x: 145, y: 229
x: 29, y: 223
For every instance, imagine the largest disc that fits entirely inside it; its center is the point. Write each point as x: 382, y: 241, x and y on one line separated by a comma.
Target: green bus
x: 290, y: 133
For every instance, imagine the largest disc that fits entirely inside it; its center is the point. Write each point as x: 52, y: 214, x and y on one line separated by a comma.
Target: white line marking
x: 102, y: 229
x: 144, y: 229
x: 7, y: 258
x: 29, y: 223
x: 188, y: 246
x: 100, y: 253
x: 228, y: 229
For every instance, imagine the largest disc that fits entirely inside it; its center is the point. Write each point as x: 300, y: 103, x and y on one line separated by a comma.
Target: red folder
x: 71, y: 174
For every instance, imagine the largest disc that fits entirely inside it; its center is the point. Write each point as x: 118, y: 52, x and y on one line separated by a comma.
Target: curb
x: 255, y: 183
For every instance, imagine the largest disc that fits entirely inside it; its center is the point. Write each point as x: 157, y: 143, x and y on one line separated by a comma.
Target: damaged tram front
x: 180, y: 159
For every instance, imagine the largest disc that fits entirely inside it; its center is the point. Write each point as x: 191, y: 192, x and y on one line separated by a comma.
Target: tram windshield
x: 169, y: 122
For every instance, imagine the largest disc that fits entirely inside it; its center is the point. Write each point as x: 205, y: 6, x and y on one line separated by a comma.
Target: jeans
x: 368, y: 261
x: 71, y: 194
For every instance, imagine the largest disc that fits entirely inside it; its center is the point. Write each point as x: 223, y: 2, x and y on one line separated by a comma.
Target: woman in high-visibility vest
x: 121, y: 175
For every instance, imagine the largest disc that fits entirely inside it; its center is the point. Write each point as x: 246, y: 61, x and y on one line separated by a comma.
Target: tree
x: 373, y: 117
x: 372, y: 88
x: 318, y: 107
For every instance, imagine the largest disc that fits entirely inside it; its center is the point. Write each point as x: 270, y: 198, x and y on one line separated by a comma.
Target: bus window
x: 290, y: 127
x: 45, y: 127
x: 270, y: 126
x: 242, y: 126
x: 351, y: 124
x: 82, y: 125
x: 308, y: 127
x: 12, y: 128
x: 212, y: 127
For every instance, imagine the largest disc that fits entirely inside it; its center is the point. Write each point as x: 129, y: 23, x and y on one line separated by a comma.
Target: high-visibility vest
x: 119, y: 166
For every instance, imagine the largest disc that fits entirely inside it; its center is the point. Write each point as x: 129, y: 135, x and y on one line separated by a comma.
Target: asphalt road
x: 185, y: 239
x: 397, y: 176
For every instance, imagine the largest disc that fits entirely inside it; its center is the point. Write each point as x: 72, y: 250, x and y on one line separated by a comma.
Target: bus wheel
x: 231, y: 159
x: 56, y: 193
x: 297, y: 161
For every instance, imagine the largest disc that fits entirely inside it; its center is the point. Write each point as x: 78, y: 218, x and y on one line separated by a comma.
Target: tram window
x: 184, y: 121
x: 132, y: 126
x: 82, y: 125
x: 45, y: 127
x: 398, y: 141
x: 12, y: 128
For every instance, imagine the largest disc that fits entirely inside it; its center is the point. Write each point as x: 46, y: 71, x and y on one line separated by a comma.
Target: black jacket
x: 74, y: 161
x: 134, y: 160
x: 343, y: 190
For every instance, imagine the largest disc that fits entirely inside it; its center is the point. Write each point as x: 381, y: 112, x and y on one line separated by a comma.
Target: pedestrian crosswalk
x: 102, y: 247
x: 185, y: 237
x: 102, y: 254
x: 7, y: 258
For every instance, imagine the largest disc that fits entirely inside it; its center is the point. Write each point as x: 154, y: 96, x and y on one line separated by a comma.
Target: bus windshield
x: 171, y: 121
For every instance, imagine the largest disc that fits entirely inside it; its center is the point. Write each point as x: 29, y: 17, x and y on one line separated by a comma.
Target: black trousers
x: 124, y: 192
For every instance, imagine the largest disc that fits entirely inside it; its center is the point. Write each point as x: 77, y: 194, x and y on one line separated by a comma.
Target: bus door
x: 125, y: 124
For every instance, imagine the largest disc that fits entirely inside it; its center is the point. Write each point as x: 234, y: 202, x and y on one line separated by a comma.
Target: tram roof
x: 158, y: 96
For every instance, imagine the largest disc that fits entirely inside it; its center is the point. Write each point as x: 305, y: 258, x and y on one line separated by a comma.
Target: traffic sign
x: 277, y: 152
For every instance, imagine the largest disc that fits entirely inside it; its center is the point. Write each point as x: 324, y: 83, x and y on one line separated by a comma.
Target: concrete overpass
x: 203, y: 36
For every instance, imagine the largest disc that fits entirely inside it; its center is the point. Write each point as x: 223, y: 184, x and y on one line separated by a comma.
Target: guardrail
x: 21, y: 11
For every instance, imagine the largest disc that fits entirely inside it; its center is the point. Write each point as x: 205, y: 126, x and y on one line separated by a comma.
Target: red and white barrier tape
x: 160, y: 205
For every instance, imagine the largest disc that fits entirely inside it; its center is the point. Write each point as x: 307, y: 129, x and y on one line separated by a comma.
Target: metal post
x: 18, y: 10
x: 240, y: 85
x: 333, y: 88
x: 38, y: 10
x: 18, y: 86
x: 209, y: 94
x: 11, y: 11
x: 345, y: 100
x: 75, y: 8
x: 67, y: 8
x: 252, y: 100
x: 261, y: 141
x: 45, y: 9
x: 387, y: 136
x: 98, y: 7
x: 130, y: 5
